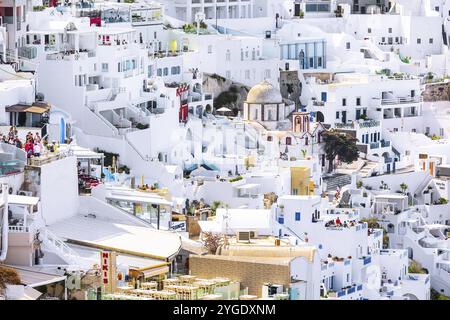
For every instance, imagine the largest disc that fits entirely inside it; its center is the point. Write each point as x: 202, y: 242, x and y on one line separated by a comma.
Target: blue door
x: 62, y: 131
x: 324, y: 96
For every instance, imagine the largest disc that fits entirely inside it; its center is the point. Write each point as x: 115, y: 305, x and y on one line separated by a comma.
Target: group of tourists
x: 33, y: 146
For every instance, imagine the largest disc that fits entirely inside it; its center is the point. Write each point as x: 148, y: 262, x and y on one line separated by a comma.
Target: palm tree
x: 404, y: 187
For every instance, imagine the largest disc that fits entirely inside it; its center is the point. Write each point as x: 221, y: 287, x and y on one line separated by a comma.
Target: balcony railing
x: 385, y: 144
x: 374, y: 145
x: 401, y: 100
x: 19, y: 229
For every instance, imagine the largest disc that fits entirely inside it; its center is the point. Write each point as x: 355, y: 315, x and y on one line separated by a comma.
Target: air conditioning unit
x: 243, y: 236
x: 25, y: 193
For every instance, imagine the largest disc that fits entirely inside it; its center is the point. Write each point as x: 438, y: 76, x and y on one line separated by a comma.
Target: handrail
x: 59, y: 247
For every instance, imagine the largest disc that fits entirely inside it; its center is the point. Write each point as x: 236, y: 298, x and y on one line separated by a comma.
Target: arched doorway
x: 62, y: 130
x: 320, y: 117
x: 411, y: 296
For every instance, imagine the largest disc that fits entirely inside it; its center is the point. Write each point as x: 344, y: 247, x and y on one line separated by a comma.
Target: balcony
x: 401, y: 100
x: 349, y: 291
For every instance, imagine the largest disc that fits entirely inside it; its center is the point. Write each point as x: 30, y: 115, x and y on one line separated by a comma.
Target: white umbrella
x: 223, y: 109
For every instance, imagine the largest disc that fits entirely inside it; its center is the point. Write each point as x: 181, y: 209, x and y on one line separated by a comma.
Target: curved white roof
x: 264, y: 92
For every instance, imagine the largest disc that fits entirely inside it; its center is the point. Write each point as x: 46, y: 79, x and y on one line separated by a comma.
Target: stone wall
x: 252, y: 274
x: 437, y: 92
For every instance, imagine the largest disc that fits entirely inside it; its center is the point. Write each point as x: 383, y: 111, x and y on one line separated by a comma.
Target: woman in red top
x: 29, y: 148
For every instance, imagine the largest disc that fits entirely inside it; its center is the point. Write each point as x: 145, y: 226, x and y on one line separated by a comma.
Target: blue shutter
x: 297, y: 216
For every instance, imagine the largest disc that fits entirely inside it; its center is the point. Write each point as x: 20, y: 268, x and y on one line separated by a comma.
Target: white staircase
x: 368, y: 168
x: 56, y: 245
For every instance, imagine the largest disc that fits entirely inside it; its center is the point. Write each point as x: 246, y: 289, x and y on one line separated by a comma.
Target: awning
x: 23, y: 200
x: 155, y: 271
x: 34, y: 279
x: 31, y: 294
x: 137, y: 199
x: 37, y: 107
x: 248, y: 186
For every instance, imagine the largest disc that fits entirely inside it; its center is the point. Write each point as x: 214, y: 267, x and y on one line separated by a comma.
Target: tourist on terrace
x: 29, y: 148
x: 37, y: 149
x: 18, y: 143
x: 338, y: 221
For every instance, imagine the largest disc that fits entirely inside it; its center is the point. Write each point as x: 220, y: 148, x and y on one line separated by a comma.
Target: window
x: 311, y: 62
x: 358, y: 101
x: 228, y: 56
x: 104, y: 67
x: 383, y: 39
x: 210, y: 49
x: 344, y: 102
x: 419, y: 41
x: 269, y: 138
x: 324, y: 96
x: 166, y: 71
x: 390, y: 30
x: 306, y: 141
x: 369, y: 30
x: 348, y: 277
x: 228, y: 74
x: 159, y: 72
x: 267, y: 74
x: 319, y: 61
x: 431, y: 40
x: 297, y: 216
x: 175, y: 70
x: 348, y: 45
x: 337, y: 114
x: 288, y: 141
x: 441, y: 132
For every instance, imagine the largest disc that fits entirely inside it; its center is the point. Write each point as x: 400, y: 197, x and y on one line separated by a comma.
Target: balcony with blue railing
x: 375, y: 145
x: 385, y: 144
x: 366, y: 260
x: 349, y: 290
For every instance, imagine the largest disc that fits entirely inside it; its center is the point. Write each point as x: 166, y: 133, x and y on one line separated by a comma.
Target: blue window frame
x: 324, y: 96
x: 297, y: 216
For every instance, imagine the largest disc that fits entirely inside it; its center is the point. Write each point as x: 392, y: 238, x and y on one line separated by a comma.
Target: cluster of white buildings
x: 171, y: 121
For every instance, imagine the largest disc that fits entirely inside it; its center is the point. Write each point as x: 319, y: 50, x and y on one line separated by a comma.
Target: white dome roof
x: 264, y: 92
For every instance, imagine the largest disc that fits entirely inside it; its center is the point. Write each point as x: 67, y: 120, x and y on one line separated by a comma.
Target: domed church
x: 264, y: 104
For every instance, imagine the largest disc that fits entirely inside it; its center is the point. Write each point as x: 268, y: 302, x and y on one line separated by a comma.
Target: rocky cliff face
x: 226, y: 92
x: 437, y: 92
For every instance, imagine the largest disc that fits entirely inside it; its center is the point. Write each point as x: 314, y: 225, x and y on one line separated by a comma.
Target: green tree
x: 404, y: 187
x: 339, y: 144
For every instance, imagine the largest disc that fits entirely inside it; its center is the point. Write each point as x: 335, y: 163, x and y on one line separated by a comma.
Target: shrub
x: 8, y: 276
x: 238, y: 178
x: 415, y: 267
